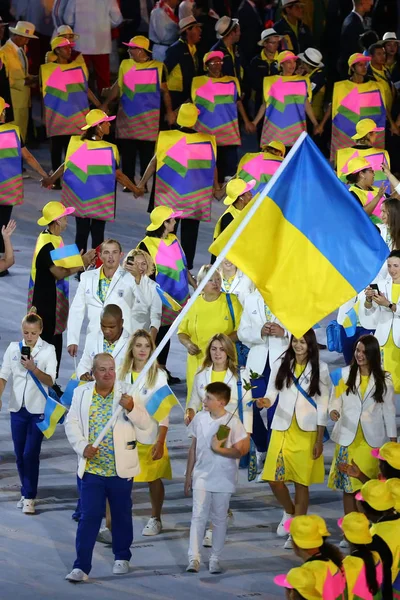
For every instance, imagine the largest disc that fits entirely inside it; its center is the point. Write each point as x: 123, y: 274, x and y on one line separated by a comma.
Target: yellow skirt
x: 150, y: 469
x: 289, y: 457
x: 360, y: 452
x: 391, y: 361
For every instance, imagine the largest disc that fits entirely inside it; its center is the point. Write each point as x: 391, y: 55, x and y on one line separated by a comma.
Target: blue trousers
x: 27, y: 439
x: 261, y: 436
x: 95, y: 489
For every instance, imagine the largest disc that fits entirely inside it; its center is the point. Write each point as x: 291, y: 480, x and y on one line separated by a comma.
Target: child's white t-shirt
x: 213, y: 472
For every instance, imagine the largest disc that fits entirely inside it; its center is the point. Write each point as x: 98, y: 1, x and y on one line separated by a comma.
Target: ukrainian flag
x: 53, y: 412
x: 350, y: 321
x: 308, y: 247
x: 73, y: 383
x: 168, y: 300
x: 161, y: 402
x: 68, y: 257
x: 338, y: 382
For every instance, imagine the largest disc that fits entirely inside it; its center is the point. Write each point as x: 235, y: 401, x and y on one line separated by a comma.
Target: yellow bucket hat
x: 305, y: 531
x: 302, y: 579
x: 53, y: 211
x: 95, y: 117
x: 394, y: 488
x: 187, y: 115
x: 3, y: 105
x: 237, y: 187
x: 377, y: 494
x: 322, y: 528
x: 364, y: 127
x: 355, y: 165
x: 277, y: 145
x: 389, y: 452
x: 284, y: 56
x: 160, y: 214
x: 139, y: 41
x: 59, y: 42
x: 355, y: 527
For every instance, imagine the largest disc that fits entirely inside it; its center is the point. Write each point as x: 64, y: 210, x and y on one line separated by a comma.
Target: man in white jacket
x: 110, y: 284
x: 106, y: 471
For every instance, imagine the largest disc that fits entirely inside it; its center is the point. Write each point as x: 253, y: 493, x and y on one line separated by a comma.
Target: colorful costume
x: 11, y: 186
x: 375, y: 156
x: 259, y: 166
x: 357, y: 586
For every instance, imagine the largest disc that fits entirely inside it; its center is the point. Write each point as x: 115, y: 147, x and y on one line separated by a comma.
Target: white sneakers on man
x: 281, y: 531
x: 213, y: 566
x: 104, y: 536
x: 207, y: 539
x: 193, y: 566
x: 20, y: 503
x: 28, y: 507
x: 153, y: 527
x: 76, y: 576
x: 121, y: 567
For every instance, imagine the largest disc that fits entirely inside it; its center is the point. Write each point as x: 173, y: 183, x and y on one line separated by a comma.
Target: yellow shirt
x: 298, y: 369
x: 134, y: 375
x: 395, y: 292
x: 218, y: 376
x: 101, y: 410
x: 364, y: 385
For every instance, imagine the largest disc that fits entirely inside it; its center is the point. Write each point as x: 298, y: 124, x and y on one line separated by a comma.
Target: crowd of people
x: 199, y: 84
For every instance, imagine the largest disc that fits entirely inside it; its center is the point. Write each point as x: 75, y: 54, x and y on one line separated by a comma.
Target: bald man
x: 112, y: 339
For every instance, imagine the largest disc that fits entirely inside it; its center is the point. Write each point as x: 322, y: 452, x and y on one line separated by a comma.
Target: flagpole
x: 206, y: 279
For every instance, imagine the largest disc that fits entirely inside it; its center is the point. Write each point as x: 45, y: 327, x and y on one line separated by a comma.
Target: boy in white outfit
x: 212, y: 471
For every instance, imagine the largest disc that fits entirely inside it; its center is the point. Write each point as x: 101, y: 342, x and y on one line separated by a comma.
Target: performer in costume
x: 286, y: 103
x: 261, y: 165
x: 66, y: 97
x: 12, y: 151
x: 140, y: 86
x: 185, y: 180
x: 218, y: 98
x: 90, y: 172
x: 65, y: 31
x: 360, y: 177
x: 264, y: 65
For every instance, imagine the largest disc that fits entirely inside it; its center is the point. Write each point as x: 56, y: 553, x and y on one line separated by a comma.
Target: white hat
x: 24, y: 29
x: 266, y: 34
x: 390, y: 36
x: 312, y: 57
x: 2, y: 24
x: 66, y: 30
x: 289, y: 2
x: 224, y: 25
x: 187, y: 22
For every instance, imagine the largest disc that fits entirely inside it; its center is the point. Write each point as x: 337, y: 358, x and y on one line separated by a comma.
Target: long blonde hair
x: 229, y: 348
x: 129, y: 362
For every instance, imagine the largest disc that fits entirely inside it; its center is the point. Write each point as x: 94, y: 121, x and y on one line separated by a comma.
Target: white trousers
x: 207, y: 505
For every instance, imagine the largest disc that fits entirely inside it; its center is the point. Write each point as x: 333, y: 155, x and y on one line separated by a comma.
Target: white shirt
x: 186, y: 9
x: 24, y: 391
x: 212, y: 472
x: 93, y: 20
x: 163, y: 32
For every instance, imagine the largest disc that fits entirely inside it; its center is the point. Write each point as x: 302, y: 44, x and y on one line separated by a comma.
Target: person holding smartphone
x: 31, y: 363
x: 380, y: 310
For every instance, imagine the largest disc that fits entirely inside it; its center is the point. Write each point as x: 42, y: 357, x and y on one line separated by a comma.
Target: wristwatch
x: 390, y: 305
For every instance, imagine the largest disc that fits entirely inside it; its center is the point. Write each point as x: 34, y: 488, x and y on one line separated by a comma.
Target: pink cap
x: 213, y: 54
x: 376, y: 454
x: 250, y: 185
x: 282, y: 581
x: 340, y: 522
x: 176, y: 215
x: 287, y: 524
x: 359, y: 496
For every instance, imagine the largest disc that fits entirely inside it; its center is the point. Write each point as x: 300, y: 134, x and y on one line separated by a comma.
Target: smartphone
x: 130, y: 260
x: 26, y: 351
x: 374, y: 286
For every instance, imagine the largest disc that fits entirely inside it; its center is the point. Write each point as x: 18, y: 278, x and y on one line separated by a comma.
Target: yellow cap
x: 53, y: 211
x: 305, y: 532
x: 59, y: 42
x: 389, y: 452
x: 355, y: 165
x: 277, y: 145
x: 160, y: 214
x: 237, y: 187
x: 139, y: 41
x: 394, y: 488
x: 321, y: 525
x: 364, y: 127
x: 95, y: 117
x: 355, y: 527
x: 3, y: 105
x: 284, y: 56
x: 301, y: 579
x: 377, y: 494
x: 187, y: 115
x: 357, y: 57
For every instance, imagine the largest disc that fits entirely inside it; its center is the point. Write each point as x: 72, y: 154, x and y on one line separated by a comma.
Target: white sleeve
x: 85, y: 363
x: 323, y: 399
x: 145, y: 427
x: 195, y: 397
x: 237, y: 432
x: 6, y: 369
x: 272, y: 392
x: 76, y: 315
x: 115, y: 14
x: 74, y: 425
x: 246, y: 332
x: 389, y: 409
x: 51, y: 363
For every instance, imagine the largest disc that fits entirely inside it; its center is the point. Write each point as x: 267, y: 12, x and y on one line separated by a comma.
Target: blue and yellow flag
x: 73, y: 383
x: 338, y: 382
x: 161, y: 402
x: 168, y: 300
x: 53, y: 412
x: 301, y: 239
x: 351, y: 320
x: 68, y: 257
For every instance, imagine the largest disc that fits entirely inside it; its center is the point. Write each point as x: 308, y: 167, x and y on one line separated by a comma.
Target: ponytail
x: 330, y: 552
x: 364, y: 552
x: 380, y: 546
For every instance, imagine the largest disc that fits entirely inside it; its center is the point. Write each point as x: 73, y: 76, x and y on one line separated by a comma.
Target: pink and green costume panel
x: 259, y: 166
x: 11, y: 186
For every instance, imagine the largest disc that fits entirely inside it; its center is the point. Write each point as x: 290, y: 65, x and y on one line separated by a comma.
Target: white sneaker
x: 344, y: 543
x: 121, y: 567
x: 193, y: 566
x: 213, y: 566
x: 259, y: 478
x: 153, y: 527
x: 104, y: 536
x: 76, y: 575
x: 288, y: 545
x: 280, y: 530
x: 28, y: 507
x: 20, y: 503
x: 260, y: 460
x: 207, y: 539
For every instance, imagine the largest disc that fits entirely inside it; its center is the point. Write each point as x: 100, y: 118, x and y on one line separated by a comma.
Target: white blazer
x: 241, y: 286
x: 384, y: 231
x: 24, y: 389
x: 129, y: 427
x: 381, y: 318
x: 292, y: 401
x: 203, y: 378
x: 147, y: 306
x: 344, y: 309
x: 94, y: 345
x: 378, y: 419
x: 249, y: 332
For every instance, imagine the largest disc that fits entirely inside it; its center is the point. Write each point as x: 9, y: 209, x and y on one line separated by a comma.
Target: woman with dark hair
x: 365, y: 416
x: 295, y: 450
x: 360, y: 176
x: 381, y: 311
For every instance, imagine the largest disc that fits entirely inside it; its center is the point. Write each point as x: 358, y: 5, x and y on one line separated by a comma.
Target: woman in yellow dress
x: 154, y: 460
x: 363, y: 409
x: 381, y: 311
x: 213, y: 312
x: 295, y: 450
